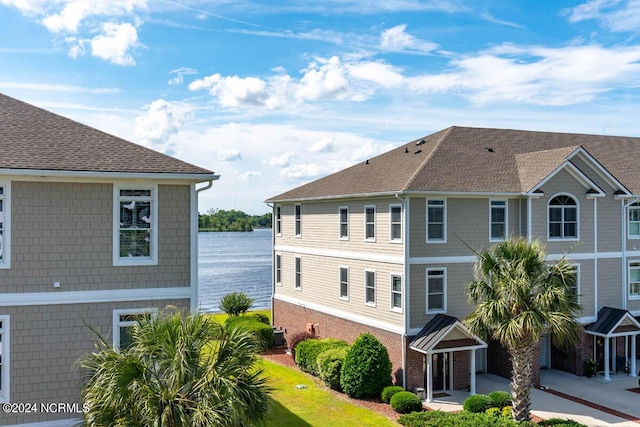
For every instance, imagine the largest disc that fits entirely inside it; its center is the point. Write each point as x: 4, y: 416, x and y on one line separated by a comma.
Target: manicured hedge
x: 559, y: 422
x: 293, y: 341
x: 366, y: 369
x: 500, y: 399
x: 405, y: 402
x: 262, y: 332
x: 388, y: 392
x: 329, y: 366
x: 460, y: 419
x: 307, y: 353
x: 478, y: 403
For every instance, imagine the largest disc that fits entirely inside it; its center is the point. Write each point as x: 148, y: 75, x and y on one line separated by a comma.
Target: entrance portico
x: 439, y: 340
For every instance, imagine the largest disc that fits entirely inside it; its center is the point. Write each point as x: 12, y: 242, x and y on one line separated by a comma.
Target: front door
x: 440, y: 366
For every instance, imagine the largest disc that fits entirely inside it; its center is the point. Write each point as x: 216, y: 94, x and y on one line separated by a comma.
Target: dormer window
x: 563, y: 218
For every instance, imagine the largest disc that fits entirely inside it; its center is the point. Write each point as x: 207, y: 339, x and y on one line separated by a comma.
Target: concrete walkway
x: 612, y: 394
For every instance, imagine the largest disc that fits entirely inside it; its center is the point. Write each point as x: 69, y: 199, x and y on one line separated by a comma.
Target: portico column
x: 429, y: 378
x: 472, y: 376
x: 606, y: 358
x: 633, y: 356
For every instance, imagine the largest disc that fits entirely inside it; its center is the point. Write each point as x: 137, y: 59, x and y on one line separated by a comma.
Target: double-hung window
x: 344, y: 283
x: 298, y: 284
x: 634, y: 220
x: 4, y: 359
x: 123, y: 320
x: 436, y: 221
x: 370, y: 223
x: 436, y: 290
x: 396, y: 292
x: 278, y: 221
x: 574, y: 285
x: 135, y: 214
x: 634, y: 280
x: 278, y: 269
x: 370, y: 287
x: 498, y: 220
x: 563, y: 218
x: 395, y: 223
x: 343, y: 213
x: 298, y: 220
x: 5, y: 246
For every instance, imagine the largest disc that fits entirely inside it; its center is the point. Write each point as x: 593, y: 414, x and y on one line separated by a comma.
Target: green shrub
x: 307, y: 353
x: 500, y: 399
x: 329, y: 366
x: 388, y: 392
x: 559, y: 422
x: 262, y: 318
x: 262, y: 332
x: 460, y: 419
x: 235, y: 303
x: 366, y: 369
x: 477, y: 403
x: 493, y: 411
x: 296, y: 339
x: 507, y: 411
x: 405, y: 402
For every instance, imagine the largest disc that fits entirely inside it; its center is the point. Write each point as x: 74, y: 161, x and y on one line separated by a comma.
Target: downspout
x: 273, y: 256
x: 528, y: 218
x: 624, y: 250
x: 405, y: 302
x: 595, y: 252
x: 194, y: 241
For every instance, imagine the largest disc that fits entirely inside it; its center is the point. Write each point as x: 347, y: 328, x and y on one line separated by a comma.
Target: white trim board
x: 368, y: 321
x: 362, y: 256
x: 550, y: 257
x: 89, y: 297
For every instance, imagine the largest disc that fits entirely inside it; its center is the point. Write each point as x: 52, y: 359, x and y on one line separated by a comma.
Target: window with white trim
x: 436, y: 221
x: 123, y: 320
x: 370, y: 287
x: 278, y: 269
x: 395, y: 223
x: 563, y: 218
x: 298, y: 220
x: 370, y: 223
x: 278, y: 220
x: 298, y: 283
x: 344, y: 283
x: 574, y: 287
x: 436, y: 290
x: 5, y: 247
x: 343, y: 213
x: 396, y: 292
x: 135, y: 218
x: 634, y: 280
x: 4, y: 359
x: 634, y: 220
x: 497, y: 220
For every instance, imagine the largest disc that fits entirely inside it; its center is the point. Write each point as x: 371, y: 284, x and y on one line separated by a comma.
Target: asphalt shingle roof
x: 36, y: 139
x: 463, y: 159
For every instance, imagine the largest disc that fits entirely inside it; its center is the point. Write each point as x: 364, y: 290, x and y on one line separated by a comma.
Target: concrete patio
x: 611, y: 394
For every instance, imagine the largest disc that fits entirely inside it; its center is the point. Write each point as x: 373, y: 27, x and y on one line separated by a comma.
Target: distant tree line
x: 232, y: 220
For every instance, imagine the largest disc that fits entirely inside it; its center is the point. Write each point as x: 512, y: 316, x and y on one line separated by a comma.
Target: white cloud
x: 325, y: 145
x: 613, y: 15
x: 250, y: 176
x: 324, y: 80
x: 380, y: 73
x: 229, y: 155
x: 159, y: 123
x: 115, y: 43
x: 178, y: 75
x: 67, y: 16
x: 282, y: 160
x: 397, y: 40
x: 233, y: 91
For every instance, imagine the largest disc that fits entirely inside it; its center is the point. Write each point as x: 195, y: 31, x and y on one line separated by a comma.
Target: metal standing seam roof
x: 462, y: 159
x: 433, y: 335
x: 608, y: 320
x: 32, y: 138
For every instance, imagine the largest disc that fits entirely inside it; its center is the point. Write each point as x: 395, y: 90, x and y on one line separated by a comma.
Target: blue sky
x: 273, y: 94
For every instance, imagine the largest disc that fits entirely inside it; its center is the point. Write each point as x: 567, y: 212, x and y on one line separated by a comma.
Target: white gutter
x: 405, y: 302
x: 199, y: 177
x: 595, y: 251
x: 529, y: 218
x: 194, y: 241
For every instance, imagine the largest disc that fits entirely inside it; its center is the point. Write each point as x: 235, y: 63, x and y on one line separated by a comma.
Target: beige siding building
x: 94, y: 230
x: 387, y: 247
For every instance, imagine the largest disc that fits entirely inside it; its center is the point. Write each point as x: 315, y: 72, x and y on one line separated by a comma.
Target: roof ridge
x: 429, y: 156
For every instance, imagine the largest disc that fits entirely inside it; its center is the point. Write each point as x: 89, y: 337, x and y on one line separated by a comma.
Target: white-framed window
x: 343, y: 214
x: 497, y: 220
x: 135, y: 224
x: 634, y: 221
x: 575, y: 286
x: 5, y: 368
x: 634, y: 280
x: 370, y: 287
x: 278, y: 220
x: 436, y: 221
x: 5, y: 228
x: 297, y: 209
x: 370, y: 223
x: 395, y: 223
x: 396, y: 292
x: 125, y: 319
x: 563, y: 218
x: 278, y: 269
x: 436, y: 290
x: 298, y: 266
x: 344, y: 283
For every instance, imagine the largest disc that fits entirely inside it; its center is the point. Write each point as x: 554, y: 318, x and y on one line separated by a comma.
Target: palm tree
x: 179, y: 371
x: 518, y: 297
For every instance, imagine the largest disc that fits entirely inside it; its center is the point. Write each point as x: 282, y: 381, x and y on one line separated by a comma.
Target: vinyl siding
x: 62, y: 232
x: 610, y: 282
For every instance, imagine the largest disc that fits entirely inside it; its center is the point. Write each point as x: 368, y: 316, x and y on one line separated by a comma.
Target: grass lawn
x: 221, y: 317
x: 312, y: 406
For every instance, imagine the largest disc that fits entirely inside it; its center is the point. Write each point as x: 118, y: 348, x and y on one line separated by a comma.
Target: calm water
x: 234, y: 261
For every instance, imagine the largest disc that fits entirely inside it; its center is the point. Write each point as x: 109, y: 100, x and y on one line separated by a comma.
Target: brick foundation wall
x: 461, y: 369
x: 415, y: 368
x: 499, y: 363
x: 294, y: 319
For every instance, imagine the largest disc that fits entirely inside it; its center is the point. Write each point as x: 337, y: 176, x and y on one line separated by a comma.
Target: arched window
x: 563, y: 218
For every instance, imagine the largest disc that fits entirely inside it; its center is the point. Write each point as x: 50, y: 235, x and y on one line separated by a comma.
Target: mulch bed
x: 635, y: 390
x: 595, y: 405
